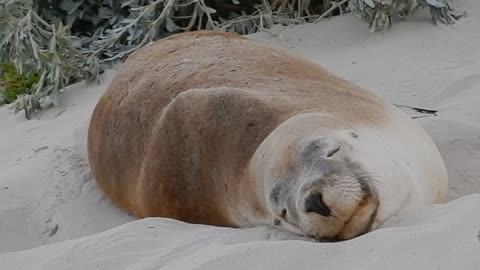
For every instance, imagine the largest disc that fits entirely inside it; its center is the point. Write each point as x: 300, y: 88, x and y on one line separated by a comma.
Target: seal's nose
x: 314, y: 203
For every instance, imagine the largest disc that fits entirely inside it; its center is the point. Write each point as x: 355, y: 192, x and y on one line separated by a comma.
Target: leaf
x: 437, y: 3
x: 127, y: 21
x: 138, y: 34
x: 70, y: 6
x: 207, y: 10
x: 110, y: 3
x: 128, y: 3
x: 171, y: 26
x: 370, y: 3
x: 306, y: 4
x: 35, y: 49
x: 105, y: 12
x: 19, y: 105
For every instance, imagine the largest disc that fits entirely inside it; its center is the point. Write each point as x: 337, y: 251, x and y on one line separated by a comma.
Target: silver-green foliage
x: 67, y: 41
x: 378, y: 13
x: 34, y: 44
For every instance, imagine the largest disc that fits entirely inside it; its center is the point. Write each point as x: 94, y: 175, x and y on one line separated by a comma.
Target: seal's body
x: 217, y: 129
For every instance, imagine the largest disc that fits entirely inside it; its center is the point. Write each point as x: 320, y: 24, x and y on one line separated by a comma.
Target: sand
x: 52, y: 216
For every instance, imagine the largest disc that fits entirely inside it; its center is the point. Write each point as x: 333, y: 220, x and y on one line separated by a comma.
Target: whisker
x: 369, y: 178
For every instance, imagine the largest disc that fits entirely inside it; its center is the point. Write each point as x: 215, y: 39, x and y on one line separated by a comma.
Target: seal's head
x: 324, y: 193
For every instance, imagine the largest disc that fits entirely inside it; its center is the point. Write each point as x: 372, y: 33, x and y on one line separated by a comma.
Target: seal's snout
x: 315, y: 203
x: 336, y: 206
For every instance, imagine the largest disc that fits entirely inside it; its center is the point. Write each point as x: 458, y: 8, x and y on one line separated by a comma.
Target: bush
x: 66, y: 41
x: 14, y: 84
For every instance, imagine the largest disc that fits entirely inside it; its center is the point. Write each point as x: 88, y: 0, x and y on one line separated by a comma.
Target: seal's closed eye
x: 333, y: 151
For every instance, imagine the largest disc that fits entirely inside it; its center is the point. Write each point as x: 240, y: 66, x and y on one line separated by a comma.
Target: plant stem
x: 334, y: 6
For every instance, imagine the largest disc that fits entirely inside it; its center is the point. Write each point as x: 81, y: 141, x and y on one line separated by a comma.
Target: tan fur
x: 175, y: 133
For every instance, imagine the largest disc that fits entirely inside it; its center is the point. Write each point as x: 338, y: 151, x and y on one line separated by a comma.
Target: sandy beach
x: 52, y: 215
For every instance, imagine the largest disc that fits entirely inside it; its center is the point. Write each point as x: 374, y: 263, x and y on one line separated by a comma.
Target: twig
x: 420, y: 110
x: 334, y: 6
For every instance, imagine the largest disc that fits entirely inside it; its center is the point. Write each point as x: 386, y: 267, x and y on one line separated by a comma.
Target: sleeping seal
x: 214, y: 128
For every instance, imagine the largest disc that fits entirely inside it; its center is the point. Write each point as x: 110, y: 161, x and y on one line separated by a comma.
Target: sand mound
x: 439, y: 237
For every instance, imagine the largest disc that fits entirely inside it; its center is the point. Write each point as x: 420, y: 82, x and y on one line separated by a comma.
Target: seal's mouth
x: 362, y: 219
x: 286, y: 222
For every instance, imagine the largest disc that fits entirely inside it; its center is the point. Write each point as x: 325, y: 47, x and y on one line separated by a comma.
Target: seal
x: 214, y: 128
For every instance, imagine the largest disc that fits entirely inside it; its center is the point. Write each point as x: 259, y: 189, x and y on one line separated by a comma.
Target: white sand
x: 47, y: 195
